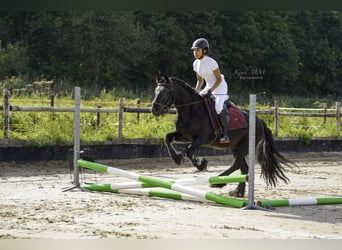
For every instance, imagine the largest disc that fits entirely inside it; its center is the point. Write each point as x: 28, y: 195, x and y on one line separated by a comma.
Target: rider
x: 207, y: 69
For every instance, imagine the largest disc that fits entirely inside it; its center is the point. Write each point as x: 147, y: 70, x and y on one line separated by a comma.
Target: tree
x: 295, y: 52
x: 108, y: 48
x: 318, y: 37
x: 13, y: 60
x: 278, y: 54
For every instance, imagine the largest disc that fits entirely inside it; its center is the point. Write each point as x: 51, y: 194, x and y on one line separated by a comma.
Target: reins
x: 169, y: 86
x: 188, y: 104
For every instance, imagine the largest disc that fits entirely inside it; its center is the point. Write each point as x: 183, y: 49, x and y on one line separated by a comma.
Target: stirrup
x: 224, y: 139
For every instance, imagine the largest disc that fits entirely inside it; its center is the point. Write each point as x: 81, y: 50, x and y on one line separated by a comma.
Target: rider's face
x: 198, y: 53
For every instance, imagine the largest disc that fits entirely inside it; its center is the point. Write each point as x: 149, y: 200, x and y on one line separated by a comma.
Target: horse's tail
x: 271, y: 161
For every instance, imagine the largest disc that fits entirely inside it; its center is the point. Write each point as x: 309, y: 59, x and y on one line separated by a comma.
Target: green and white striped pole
x: 155, y: 192
x: 185, y: 181
x: 300, y: 202
x: 165, y: 184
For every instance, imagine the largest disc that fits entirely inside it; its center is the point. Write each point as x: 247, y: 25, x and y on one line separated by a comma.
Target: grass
x: 46, y: 128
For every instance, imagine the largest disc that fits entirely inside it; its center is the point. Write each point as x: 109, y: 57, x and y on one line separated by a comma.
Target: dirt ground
x: 33, y: 206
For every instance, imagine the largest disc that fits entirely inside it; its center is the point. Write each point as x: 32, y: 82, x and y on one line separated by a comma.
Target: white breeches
x: 219, y: 101
x: 221, y: 95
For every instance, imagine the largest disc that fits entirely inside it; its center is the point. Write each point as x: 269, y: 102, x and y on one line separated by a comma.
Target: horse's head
x: 163, y: 96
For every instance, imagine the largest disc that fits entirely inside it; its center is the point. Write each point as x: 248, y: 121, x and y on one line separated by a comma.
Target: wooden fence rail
x: 275, y: 111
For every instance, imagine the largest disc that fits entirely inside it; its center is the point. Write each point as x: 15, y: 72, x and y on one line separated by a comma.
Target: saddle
x: 236, y: 117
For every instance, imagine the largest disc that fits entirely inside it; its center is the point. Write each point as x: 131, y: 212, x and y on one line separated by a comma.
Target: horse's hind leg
x: 235, y: 166
x: 241, y: 187
x: 239, y: 163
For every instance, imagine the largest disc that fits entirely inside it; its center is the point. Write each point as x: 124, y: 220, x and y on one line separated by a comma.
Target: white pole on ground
x: 77, y: 135
x: 251, y: 153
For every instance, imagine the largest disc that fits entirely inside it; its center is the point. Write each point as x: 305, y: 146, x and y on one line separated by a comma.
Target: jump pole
x: 77, y: 119
x: 238, y: 203
x: 300, y: 202
x: 77, y: 133
x: 185, y: 181
x: 155, y: 192
x: 251, y: 154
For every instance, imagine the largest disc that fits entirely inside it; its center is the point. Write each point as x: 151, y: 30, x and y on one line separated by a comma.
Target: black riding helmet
x: 201, y: 43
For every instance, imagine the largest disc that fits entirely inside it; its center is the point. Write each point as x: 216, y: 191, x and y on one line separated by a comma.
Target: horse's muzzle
x: 156, y: 110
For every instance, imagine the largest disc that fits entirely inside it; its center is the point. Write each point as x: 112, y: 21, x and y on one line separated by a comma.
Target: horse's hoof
x: 236, y: 193
x: 200, y: 168
x: 203, y: 165
x: 217, y: 185
x: 179, y: 159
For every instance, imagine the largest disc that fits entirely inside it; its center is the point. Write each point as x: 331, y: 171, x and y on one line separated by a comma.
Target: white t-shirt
x: 205, y: 68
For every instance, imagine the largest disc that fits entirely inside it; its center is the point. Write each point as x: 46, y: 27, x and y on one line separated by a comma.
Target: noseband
x: 171, y: 98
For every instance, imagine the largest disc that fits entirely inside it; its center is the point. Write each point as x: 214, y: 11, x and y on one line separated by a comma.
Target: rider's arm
x: 199, y: 82
x: 217, y: 74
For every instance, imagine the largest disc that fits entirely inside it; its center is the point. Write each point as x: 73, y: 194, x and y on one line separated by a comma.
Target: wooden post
x: 98, y: 118
x: 138, y: 114
x: 52, y: 104
x: 276, y: 117
x: 121, y: 112
x: 52, y: 100
x: 338, y: 118
x: 7, y: 95
x: 325, y: 112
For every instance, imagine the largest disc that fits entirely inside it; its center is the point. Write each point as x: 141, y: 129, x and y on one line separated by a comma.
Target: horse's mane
x: 182, y: 83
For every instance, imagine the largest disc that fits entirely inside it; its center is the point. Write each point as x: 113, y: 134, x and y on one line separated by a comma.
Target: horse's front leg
x: 176, y: 156
x: 199, y: 162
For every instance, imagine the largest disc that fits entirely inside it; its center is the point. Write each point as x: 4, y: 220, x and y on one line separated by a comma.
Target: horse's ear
x: 157, y: 79
x: 166, y: 78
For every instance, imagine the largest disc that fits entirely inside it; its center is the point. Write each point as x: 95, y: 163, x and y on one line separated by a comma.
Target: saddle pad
x: 237, y: 119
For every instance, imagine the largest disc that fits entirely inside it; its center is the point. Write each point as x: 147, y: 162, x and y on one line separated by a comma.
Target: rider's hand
x: 205, y: 93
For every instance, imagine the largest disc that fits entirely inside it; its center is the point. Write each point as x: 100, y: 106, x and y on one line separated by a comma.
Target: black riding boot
x: 224, y: 120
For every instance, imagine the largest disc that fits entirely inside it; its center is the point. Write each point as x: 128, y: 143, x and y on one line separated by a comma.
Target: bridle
x: 171, y: 98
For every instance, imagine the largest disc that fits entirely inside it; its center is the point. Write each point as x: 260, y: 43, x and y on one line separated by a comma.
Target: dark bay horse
x: 194, y: 126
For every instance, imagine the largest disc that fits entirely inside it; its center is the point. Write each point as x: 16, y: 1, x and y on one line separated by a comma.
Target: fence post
x: 52, y: 104
x: 325, y: 113
x: 52, y: 100
x: 121, y: 112
x: 138, y: 114
x: 276, y: 117
x: 7, y: 95
x: 338, y: 118
x: 98, y: 117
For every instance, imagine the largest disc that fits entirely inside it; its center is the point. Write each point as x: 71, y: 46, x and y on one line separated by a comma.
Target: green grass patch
x: 47, y: 128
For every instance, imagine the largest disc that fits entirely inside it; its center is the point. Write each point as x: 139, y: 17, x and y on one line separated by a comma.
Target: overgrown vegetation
x: 43, y: 128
